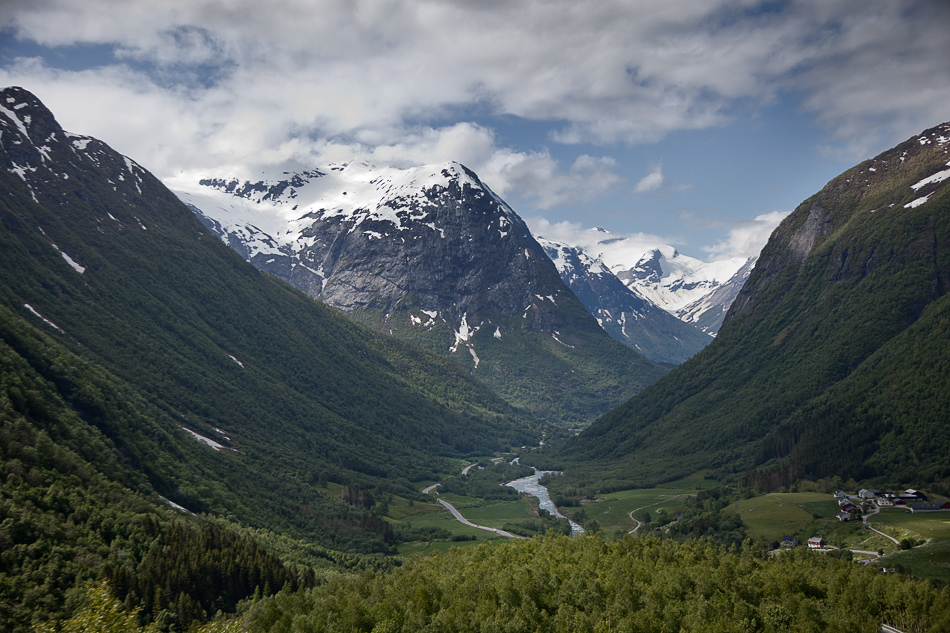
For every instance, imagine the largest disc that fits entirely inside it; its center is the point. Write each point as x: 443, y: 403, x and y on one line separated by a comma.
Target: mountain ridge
x: 623, y: 313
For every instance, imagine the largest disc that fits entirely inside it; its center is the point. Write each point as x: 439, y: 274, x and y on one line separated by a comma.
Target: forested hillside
x: 833, y: 358
x: 634, y: 584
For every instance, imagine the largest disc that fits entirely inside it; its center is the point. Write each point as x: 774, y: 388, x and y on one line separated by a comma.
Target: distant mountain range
x: 696, y: 292
x: 622, y: 311
x: 832, y: 360
x: 432, y: 256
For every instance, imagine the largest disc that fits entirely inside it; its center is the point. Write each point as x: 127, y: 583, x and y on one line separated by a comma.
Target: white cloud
x: 610, y: 71
x: 746, y: 239
x: 653, y: 180
x: 612, y: 248
x: 227, y: 87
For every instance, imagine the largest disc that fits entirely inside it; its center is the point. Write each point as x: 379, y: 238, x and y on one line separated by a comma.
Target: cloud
x: 653, y: 180
x: 612, y: 248
x: 609, y: 72
x: 746, y: 238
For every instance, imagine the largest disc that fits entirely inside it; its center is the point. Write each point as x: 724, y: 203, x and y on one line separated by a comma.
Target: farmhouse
x: 844, y: 516
x: 816, y: 541
x: 846, y: 506
x: 943, y: 506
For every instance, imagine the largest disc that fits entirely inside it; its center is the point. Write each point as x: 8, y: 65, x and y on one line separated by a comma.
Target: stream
x: 531, y: 486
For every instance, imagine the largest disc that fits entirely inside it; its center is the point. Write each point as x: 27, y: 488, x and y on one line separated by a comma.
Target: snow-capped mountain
x: 624, y: 314
x: 362, y: 237
x: 707, y: 312
x: 697, y: 292
x: 429, y: 254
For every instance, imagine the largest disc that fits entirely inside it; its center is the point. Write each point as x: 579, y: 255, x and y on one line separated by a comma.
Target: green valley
x: 190, y: 444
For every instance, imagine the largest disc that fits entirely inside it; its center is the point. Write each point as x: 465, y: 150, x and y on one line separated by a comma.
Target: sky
x: 694, y: 123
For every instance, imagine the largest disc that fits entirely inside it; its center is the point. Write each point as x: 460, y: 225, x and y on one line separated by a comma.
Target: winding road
x: 458, y: 515
x: 630, y: 514
x: 864, y: 519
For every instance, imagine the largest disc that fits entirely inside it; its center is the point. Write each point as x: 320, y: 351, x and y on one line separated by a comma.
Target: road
x: 630, y: 514
x: 865, y: 518
x: 458, y: 515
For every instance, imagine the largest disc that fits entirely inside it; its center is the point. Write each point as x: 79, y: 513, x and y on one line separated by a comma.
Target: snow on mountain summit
x: 280, y: 207
x: 688, y: 288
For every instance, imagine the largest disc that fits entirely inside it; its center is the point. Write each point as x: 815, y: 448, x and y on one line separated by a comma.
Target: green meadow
x: 769, y: 517
x: 930, y: 560
x: 612, y: 511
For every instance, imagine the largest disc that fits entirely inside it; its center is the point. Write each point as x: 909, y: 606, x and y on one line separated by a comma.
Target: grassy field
x: 694, y: 482
x: 931, y: 561
x: 612, y: 511
x: 434, y: 515
x: 496, y: 514
x: 901, y: 524
x: 769, y: 517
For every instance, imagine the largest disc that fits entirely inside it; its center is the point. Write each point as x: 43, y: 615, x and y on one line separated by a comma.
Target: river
x: 531, y: 486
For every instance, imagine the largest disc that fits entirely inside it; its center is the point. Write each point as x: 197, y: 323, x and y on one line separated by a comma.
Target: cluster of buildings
x: 914, y: 500
x: 866, y: 499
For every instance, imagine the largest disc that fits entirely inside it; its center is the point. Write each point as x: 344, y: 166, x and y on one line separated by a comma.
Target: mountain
x: 222, y: 389
x: 622, y: 313
x: 708, y: 312
x: 832, y: 360
x: 432, y: 256
x: 696, y: 292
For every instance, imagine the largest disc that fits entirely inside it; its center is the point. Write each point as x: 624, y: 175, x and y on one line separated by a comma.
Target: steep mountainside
x: 220, y: 388
x: 833, y: 357
x: 626, y: 316
x: 433, y: 256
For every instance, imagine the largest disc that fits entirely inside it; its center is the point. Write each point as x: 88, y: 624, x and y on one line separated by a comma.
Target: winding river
x: 531, y: 486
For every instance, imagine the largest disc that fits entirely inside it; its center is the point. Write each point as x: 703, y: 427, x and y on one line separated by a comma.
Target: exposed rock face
x: 43, y: 155
x: 708, y: 312
x: 820, y: 217
x: 696, y: 292
x: 433, y: 238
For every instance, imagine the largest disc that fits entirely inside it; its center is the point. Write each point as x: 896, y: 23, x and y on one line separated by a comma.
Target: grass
x: 769, y: 517
x: 400, y: 508
x: 697, y: 481
x: 422, y: 515
x: 498, y: 513
x: 930, y: 561
x: 434, y: 515
x: 899, y: 524
x: 612, y: 511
